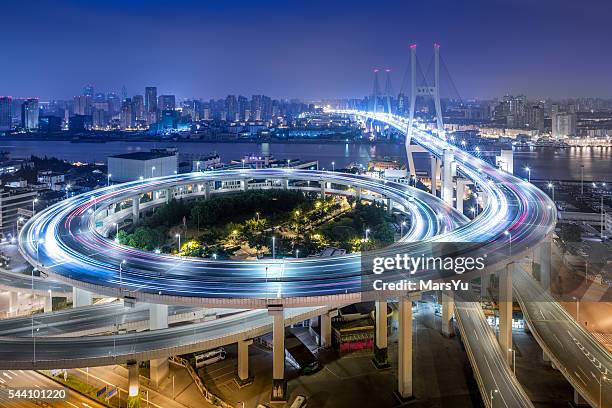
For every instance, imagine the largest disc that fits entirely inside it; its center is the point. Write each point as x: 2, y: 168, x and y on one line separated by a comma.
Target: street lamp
x: 509, y: 235
x: 491, y: 395
x: 528, y: 170
x: 197, y: 166
x: 367, y: 232
x: 243, y: 163
x: 152, y: 170
x: 108, y: 178
x: 297, y: 253
x: 179, y: 241
x: 333, y: 166
x: 402, y: 225
x: 33, y: 203
x: 552, y: 187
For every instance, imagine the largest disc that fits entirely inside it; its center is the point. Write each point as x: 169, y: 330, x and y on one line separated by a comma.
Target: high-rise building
x: 151, y: 103
x: 114, y: 103
x: 166, y: 102
x: 138, y: 106
x: 127, y: 114
x: 82, y: 105
x: 29, y: 114
x: 50, y: 124
x: 5, y: 113
x: 563, y: 123
x: 534, y: 117
x: 231, y: 108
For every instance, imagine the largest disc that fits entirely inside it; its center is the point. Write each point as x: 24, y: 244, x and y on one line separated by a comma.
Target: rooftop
x: 143, y: 155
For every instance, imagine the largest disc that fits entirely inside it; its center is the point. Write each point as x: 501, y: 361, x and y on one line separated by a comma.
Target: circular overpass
x: 67, y: 242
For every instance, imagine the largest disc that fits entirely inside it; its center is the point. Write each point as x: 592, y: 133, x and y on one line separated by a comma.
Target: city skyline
x: 303, y: 50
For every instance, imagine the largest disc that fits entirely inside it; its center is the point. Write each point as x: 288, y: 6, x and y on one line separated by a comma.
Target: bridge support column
x: 136, y: 208
x: 168, y: 195
x: 48, y: 299
x: 485, y: 284
x: 279, y: 384
x: 323, y: 188
x: 244, y: 184
x: 434, y: 174
x: 206, y: 190
x: 381, y: 358
x: 81, y: 297
x: 447, y: 177
x: 13, y: 301
x: 448, y: 311
x: 133, y: 383
x: 243, y: 377
x: 358, y: 194
x: 505, y: 311
x: 389, y: 206
x: 545, y: 251
x: 158, y: 319
x: 326, y: 328
x: 404, y: 359
x: 285, y: 183
x: 461, y: 183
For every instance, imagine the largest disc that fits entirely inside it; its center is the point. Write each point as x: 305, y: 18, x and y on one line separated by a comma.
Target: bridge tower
x: 423, y: 91
x: 388, y: 90
x: 376, y: 91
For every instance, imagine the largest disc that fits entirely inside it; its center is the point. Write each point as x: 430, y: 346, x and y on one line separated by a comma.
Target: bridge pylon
x: 423, y: 91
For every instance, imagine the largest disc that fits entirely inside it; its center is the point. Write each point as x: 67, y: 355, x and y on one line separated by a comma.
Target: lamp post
x: 333, y: 166
x: 198, y: 166
x: 509, y: 235
x: 297, y: 253
x: 402, y: 225
x: 552, y: 187
x: 179, y: 242
x: 491, y: 396
x: 367, y: 233
x: 528, y: 170
x: 34, y: 203
x: 108, y: 178
x: 513, y: 351
x: 152, y: 170
x: 121, y: 276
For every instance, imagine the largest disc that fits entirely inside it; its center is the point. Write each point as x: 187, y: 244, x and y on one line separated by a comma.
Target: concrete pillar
x: 381, y: 359
x: 285, y: 183
x: 168, y: 194
x: 326, y: 328
x: 461, y: 183
x: 448, y: 310
x: 447, y: 177
x: 136, y: 208
x: 434, y: 174
x: 485, y: 283
x: 13, y: 301
x: 48, y: 302
x: 323, y: 188
x: 404, y: 360
x: 545, y: 251
x: 505, y: 311
x: 244, y: 183
x: 243, y: 363
x: 81, y: 297
x: 206, y: 190
x: 389, y: 206
x: 358, y: 194
x: 133, y: 382
x: 279, y: 384
x: 158, y: 319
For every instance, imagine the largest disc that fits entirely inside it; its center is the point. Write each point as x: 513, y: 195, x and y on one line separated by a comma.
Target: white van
x: 299, y: 402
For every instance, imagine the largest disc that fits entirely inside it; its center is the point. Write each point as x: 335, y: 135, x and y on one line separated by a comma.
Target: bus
x: 209, y: 357
x: 299, y: 355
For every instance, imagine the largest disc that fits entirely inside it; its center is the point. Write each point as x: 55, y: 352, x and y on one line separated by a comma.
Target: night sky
x: 302, y: 48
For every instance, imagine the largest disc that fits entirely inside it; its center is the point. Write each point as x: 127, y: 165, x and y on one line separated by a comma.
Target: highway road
x: 499, y: 387
x: 584, y: 362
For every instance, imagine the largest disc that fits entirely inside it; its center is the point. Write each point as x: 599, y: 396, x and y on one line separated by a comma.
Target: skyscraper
x: 5, y: 113
x: 29, y: 114
x: 82, y: 105
x: 563, y: 123
x: 167, y: 102
x: 138, y: 106
x: 151, y: 103
x: 127, y: 114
